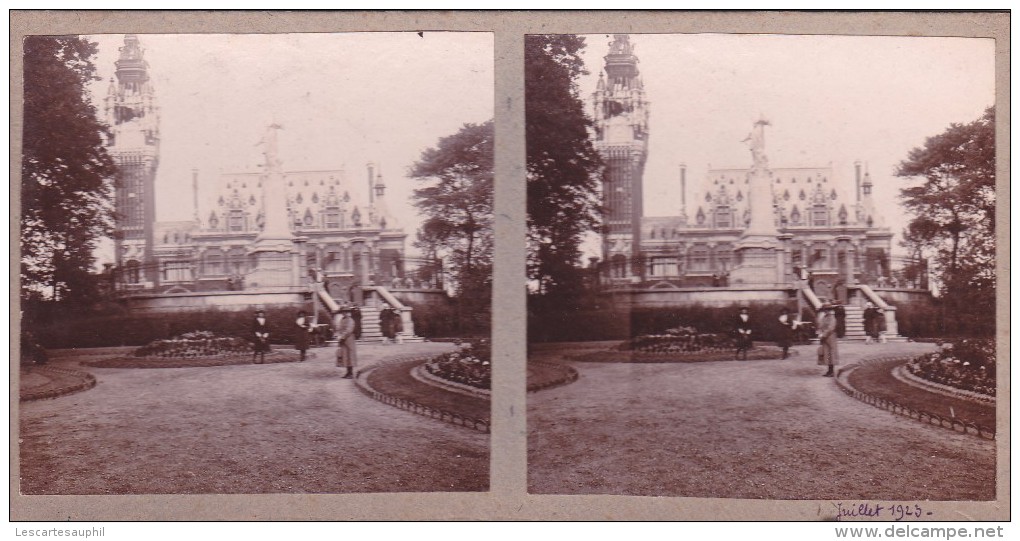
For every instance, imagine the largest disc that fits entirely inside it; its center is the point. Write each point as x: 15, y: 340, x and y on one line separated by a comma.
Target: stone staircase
x: 371, y: 332
x: 854, y: 324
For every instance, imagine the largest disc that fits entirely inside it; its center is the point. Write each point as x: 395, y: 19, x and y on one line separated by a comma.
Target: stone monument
x: 273, y: 252
x: 758, y: 250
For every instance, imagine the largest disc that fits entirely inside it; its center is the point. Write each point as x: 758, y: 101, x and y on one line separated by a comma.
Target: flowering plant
x: 194, y: 344
x: 679, y: 340
x: 470, y: 365
x: 965, y: 364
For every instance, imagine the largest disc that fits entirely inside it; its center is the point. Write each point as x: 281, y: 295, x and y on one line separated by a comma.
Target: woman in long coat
x: 302, y: 336
x: 828, y: 353
x: 346, y: 347
x: 260, y: 330
x: 388, y: 323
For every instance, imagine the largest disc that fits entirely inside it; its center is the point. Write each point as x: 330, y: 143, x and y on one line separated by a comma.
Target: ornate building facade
x: 340, y: 227
x: 263, y: 229
x: 132, y: 112
x: 759, y: 229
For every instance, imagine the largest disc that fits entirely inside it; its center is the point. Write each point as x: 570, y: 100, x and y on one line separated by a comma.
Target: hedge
x: 139, y: 329
x: 621, y: 324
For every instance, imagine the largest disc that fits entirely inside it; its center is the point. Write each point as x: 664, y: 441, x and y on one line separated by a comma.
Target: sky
x: 343, y: 100
x: 829, y: 99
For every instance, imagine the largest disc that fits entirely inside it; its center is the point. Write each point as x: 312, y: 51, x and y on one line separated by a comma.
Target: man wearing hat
x: 828, y: 354
x: 346, y: 347
x: 743, y: 326
x: 260, y: 328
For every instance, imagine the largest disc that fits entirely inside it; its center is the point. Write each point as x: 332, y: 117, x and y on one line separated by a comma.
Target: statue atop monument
x: 756, y: 140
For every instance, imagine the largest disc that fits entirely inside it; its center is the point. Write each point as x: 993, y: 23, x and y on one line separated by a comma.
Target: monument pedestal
x: 273, y: 268
x: 757, y: 262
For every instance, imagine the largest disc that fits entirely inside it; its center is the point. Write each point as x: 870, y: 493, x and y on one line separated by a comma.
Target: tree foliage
x: 563, y: 167
x: 954, y: 214
x: 66, y: 173
x: 456, y: 201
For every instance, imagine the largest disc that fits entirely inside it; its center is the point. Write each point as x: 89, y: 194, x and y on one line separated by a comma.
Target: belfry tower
x: 133, y: 116
x: 620, y: 112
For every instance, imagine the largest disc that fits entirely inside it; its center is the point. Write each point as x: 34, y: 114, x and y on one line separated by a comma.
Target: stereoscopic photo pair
x: 263, y: 264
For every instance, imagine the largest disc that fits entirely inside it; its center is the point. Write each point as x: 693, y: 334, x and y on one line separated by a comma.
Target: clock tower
x: 620, y: 112
x: 132, y: 113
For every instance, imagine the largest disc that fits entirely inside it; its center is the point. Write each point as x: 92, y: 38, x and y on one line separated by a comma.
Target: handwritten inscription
x: 886, y: 511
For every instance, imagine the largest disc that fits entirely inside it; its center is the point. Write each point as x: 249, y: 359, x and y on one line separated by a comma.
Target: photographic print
x: 256, y: 263
x: 761, y: 266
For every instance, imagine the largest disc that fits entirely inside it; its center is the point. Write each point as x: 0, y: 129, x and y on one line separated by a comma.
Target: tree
x: 563, y: 168
x: 66, y: 173
x: 456, y: 201
x: 954, y: 209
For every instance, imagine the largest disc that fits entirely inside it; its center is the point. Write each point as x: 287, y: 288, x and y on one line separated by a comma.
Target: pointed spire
x: 602, y: 82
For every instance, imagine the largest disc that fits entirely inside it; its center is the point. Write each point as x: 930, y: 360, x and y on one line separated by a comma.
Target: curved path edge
x: 85, y: 382
x: 901, y: 373
x: 456, y: 419
x: 569, y: 376
x: 421, y: 374
x: 843, y: 381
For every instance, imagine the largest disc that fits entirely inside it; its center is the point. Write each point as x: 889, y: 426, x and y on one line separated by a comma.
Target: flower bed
x: 471, y: 365
x: 966, y: 364
x: 679, y: 340
x: 194, y: 344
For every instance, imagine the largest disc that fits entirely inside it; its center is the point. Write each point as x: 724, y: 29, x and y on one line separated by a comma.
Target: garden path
x: 756, y: 429
x: 270, y: 428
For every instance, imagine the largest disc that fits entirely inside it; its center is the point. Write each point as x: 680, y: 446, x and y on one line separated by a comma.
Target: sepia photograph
x: 762, y: 266
x: 255, y: 263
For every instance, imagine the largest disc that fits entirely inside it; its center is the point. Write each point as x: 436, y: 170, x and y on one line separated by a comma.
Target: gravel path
x: 273, y: 428
x: 756, y: 429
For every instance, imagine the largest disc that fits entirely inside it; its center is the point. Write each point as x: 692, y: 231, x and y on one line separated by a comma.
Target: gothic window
x: 698, y: 259
x: 819, y: 216
x: 132, y: 274
x: 236, y: 220
x: 842, y: 215
x: 332, y: 218
x: 212, y: 263
x: 237, y: 261
x: 723, y: 217
x: 724, y: 257
x: 333, y: 258
x: 309, y: 219
x: 176, y: 271
x: 214, y: 222
x: 700, y: 216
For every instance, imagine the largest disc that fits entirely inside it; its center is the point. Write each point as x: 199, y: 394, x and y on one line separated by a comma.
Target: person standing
x: 260, y: 329
x: 356, y: 316
x: 387, y: 324
x: 346, y: 346
x: 302, y: 334
x: 743, y: 326
x: 787, y: 328
x: 828, y: 351
x: 870, y: 323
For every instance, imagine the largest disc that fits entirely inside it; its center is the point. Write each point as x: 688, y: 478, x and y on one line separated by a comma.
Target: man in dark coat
x: 388, y: 323
x: 260, y: 330
x: 787, y: 330
x: 743, y: 327
x: 356, y: 316
x: 302, y: 334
